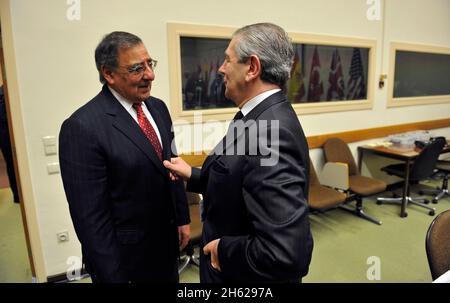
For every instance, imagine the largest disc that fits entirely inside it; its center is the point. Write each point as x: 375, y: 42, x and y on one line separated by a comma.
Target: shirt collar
x: 253, y: 102
x: 127, y: 104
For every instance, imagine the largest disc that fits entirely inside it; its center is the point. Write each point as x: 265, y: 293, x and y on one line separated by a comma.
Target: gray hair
x: 273, y: 47
x: 107, y: 51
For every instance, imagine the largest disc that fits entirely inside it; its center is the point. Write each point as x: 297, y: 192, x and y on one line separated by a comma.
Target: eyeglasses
x: 138, y: 69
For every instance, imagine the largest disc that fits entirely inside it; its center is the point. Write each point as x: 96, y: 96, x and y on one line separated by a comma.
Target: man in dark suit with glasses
x: 130, y: 218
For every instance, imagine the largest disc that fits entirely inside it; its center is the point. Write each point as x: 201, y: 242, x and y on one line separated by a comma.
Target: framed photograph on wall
x: 328, y: 74
x: 196, y: 53
x: 202, y: 85
x: 325, y: 73
x: 331, y: 73
x: 419, y: 74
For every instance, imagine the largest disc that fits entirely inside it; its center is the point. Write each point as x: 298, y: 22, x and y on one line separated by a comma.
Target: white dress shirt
x: 128, y: 105
x: 253, y: 102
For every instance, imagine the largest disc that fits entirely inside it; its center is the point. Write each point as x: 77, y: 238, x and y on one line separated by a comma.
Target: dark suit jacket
x: 123, y: 205
x: 260, y: 213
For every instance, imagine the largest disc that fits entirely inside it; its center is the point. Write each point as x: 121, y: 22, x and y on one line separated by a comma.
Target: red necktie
x: 148, y: 129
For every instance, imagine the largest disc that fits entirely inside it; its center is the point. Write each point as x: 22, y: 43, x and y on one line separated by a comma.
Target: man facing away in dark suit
x: 130, y: 218
x: 255, y: 212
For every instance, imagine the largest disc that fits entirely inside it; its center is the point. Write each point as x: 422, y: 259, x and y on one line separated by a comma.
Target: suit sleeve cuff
x: 194, y: 184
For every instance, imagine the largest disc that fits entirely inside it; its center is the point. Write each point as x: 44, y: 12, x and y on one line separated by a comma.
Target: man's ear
x: 107, y: 74
x: 254, y: 70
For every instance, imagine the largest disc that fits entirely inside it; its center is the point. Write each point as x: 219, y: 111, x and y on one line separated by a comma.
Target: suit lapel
x: 276, y: 98
x: 125, y: 124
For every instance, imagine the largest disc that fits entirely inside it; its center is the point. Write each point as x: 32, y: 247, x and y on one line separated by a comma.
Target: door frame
x: 18, y: 144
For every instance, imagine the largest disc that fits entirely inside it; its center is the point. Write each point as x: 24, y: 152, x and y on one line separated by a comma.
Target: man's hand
x: 184, y: 233
x: 211, y: 248
x: 178, y: 168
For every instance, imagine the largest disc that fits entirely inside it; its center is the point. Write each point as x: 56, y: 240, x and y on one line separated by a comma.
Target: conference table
x: 406, y: 154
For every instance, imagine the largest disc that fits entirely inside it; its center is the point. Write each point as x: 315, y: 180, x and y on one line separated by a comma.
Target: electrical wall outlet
x: 62, y: 236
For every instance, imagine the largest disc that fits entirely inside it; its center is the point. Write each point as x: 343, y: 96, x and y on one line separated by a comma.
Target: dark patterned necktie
x: 238, y: 116
x: 148, y: 129
x: 230, y: 136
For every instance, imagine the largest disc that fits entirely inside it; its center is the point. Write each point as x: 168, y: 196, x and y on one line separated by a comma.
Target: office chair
x: 444, y: 167
x: 437, y: 245
x: 421, y: 169
x: 189, y: 256
x: 321, y: 197
x: 337, y: 151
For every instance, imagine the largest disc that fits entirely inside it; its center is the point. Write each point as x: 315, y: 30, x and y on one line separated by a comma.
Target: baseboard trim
x: 62, y: 278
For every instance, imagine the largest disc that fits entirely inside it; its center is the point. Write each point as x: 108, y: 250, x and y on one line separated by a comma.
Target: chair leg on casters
x: 196, y: 258
x: 432, y: 210
x: 189, y: 258
x: 439, y: 192
x: 414, y: 201
x: 443, y: 193
x: 398, y: 200
x: 444, y: 190
x: 185, y: 261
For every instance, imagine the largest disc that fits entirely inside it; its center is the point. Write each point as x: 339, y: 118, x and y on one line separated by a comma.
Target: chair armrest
x: 335, y: 175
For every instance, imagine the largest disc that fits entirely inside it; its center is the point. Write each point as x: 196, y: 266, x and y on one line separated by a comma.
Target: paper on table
x: 412, y: 153
x: 384, y: 143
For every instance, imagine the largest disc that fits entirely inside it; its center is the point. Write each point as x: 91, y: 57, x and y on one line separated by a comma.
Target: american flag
x: 315, y: 88
x: 356, y: 84
x: 336, y: 79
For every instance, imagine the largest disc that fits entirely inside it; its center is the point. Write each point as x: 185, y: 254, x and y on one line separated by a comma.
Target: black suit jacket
x: 123, y: 205
x: 259, y: 212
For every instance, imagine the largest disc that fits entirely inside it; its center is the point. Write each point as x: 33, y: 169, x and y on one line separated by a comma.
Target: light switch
x: 53, y: 168
x: 49, y: 140
x: 50, y: 150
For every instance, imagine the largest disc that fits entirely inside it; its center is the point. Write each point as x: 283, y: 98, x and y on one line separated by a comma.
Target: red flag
x: 356, y: 84
x: 336, y: 79
x: 315, y: 89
